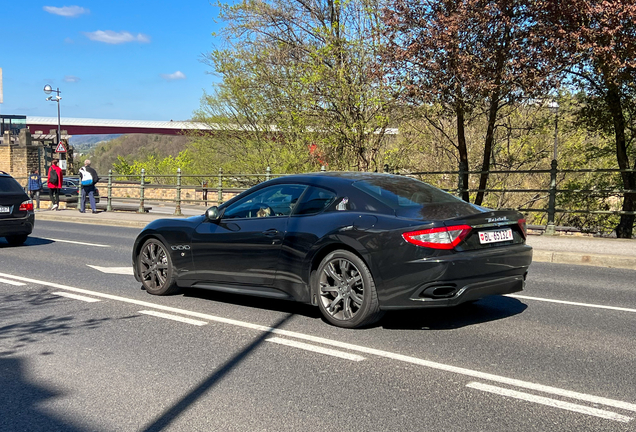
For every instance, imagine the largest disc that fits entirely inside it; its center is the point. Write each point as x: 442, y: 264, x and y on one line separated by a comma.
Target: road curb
x: 597, y: 260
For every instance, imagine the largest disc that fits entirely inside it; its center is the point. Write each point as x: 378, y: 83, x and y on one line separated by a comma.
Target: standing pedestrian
x: 88, y: 179
x: 54, y: 182
x: 35, y: 186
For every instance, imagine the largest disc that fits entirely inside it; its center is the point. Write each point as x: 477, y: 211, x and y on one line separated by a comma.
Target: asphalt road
x: 559, y: 357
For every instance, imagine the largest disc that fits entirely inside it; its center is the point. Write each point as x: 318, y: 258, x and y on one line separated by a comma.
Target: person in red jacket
x: 54, y: 181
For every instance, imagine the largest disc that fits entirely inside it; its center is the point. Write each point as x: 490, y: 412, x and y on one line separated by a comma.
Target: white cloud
x: 178, y: 75
x: 111, y: 37
x: 71, y: 79
x: 67, y: 11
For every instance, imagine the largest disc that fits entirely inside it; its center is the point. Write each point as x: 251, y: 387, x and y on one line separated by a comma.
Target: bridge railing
x: 509, y: 189
x: 567, y: 193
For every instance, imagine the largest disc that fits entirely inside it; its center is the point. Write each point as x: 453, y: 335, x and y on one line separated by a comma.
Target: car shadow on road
x: 490, y: 308
x: 277, y: 305
x: 31, y: 241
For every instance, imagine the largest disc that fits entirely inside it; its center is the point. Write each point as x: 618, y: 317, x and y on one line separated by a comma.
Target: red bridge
x: 84, y: 126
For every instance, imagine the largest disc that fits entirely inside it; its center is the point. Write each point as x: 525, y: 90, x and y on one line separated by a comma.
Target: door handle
x: 271, y: 232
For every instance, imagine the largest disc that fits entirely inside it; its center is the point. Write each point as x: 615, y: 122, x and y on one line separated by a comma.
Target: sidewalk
x: 561, y: 249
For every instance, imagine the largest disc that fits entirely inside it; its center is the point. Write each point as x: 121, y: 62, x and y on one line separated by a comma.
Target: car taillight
x: 26, y: 206
x: 524, y: 228
x: 438, y: 238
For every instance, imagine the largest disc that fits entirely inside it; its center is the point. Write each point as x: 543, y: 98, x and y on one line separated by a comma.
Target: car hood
x: 189, y: 222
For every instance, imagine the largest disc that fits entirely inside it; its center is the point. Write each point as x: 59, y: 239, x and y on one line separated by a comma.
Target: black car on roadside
x: 352, y: 244
x: 16, y: 211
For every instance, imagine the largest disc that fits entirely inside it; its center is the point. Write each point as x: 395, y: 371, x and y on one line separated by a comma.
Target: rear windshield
x: 9, y: 185
x: 415, y: 199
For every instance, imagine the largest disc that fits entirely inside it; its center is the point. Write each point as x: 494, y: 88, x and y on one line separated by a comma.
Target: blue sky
x: 132, y: 60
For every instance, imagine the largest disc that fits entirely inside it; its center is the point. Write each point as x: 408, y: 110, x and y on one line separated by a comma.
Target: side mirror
x: 213, y: 213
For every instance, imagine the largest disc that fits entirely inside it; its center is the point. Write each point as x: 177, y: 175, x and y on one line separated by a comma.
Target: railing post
x: 550, y: 228
x: 141, y: 192
x: 177, y: 209
x: 268, y: 173
x: 204, y: 190
x: 220, y: 187
x: 109, y: 200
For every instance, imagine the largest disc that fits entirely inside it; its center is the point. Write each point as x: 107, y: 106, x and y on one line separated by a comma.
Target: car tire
x: 16, y: 240
x: 155, y: 268
x: 346, y: 291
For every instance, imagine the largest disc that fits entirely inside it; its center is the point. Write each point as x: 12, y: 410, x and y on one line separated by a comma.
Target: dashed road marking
x: 316, y: 349
x: 76, y: 297
x: 113, y: 270
x: 589, y: 305
x: 550, y: 402
x: 77, y: 242
x: 174, y: 317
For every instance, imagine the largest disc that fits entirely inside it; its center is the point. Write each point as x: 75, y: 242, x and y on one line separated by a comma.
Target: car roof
x: 332, y: 177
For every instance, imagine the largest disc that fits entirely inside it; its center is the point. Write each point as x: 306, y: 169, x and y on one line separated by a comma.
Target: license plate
x: 495, y: 236
x: 5, y: 209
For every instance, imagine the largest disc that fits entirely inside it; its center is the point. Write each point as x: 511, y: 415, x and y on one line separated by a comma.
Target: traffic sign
x: 60, y: 148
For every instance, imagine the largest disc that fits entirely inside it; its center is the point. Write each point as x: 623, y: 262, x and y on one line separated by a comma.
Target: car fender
x: 345, y: 238
x: 176, y: 235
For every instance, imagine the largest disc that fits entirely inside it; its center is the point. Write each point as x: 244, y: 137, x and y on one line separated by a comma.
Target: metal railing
x: 214, y: 188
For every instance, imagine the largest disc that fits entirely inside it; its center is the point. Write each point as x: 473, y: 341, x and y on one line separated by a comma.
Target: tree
x: 473, y: 57
x: 297, y: 75
x: 594, y: 41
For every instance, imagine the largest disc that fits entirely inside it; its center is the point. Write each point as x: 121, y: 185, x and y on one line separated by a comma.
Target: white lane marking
x: 590, y: 305
x: 76, y: 297
x: 174, y: 317
x: 10, y: 282
x: 113, y: 270
x: 550, y: 402
x: 317, y: 349
x: 76, y: 242
x: 370, y: 351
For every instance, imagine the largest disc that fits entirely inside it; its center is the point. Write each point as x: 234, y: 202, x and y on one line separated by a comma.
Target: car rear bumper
x: 458, y: 278
x: 17, y: 226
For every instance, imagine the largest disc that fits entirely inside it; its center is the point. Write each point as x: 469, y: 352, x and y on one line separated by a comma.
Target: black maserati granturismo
x: 353, y: 244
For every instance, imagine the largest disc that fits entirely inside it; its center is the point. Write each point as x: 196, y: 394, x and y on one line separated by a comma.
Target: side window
x: 278, y: 200
x: 315, y: 201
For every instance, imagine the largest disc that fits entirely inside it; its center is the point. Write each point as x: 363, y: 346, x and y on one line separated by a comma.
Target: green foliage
x: 297, y: 89
x: 157, y: 170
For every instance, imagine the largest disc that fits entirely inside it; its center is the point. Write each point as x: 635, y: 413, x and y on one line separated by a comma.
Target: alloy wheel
x: 341, y: 289
x: 154, y: 266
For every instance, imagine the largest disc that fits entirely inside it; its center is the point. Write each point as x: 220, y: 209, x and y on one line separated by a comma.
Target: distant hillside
x: 135, y: 147
x: 84, y: 144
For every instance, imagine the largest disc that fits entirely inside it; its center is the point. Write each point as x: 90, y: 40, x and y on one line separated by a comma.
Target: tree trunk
x: 490, y: 138
x: 463, y: 150
x: 625, y: 227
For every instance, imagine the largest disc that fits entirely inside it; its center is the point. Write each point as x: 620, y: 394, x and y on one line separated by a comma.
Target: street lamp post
x: 550, y: 227
x: 48, y: 90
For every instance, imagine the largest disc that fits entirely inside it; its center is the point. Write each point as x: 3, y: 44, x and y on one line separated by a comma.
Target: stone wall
x: 19, y: 160
x: 154, y: 192
x: 5, y: 158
